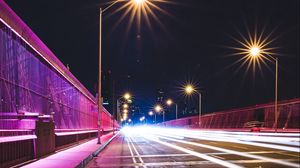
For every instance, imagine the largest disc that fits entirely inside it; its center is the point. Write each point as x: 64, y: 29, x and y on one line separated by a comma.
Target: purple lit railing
x: 36, y: 89
x: 33, y: 80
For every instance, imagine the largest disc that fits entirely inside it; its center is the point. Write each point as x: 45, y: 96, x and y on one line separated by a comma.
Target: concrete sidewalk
x: 77, y: 156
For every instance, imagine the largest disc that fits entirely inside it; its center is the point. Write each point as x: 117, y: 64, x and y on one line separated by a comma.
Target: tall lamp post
x: 151, y: 113
x: 169, y: 102
x: 100, y: 70
x: 256, y: 53
x: 158, y: 109
x: 189, y: 89
x: 138, y: 4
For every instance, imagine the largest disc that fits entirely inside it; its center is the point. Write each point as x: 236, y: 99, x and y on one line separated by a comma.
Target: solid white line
x: 187, y: 163
x: 138, y: 154
x: 186, y: 154
x: 132, y: 156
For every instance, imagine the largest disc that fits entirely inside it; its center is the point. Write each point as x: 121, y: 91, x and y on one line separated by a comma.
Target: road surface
x: 162, y: 147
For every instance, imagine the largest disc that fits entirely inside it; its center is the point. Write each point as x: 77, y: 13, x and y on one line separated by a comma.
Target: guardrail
x: 289, y: 116
x: 43, y: 107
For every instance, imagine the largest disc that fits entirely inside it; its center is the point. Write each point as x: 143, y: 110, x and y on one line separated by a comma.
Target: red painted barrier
x: 255, y: 116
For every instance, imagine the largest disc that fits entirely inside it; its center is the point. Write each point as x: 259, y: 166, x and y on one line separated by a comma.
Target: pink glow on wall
x: 34, y: 81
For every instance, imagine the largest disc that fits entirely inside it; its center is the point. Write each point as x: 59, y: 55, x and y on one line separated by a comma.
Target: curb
x: 85, y: 161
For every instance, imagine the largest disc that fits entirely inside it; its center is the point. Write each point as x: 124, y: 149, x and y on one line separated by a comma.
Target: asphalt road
x: 156, y: 147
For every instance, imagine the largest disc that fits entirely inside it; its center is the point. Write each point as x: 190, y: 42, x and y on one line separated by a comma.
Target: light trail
x: 157, y: 134
x: 234, y: 152
x: 197, y: 154
x: 253, y: 140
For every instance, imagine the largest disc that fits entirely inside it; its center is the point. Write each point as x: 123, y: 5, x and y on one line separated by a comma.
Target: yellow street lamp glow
x: 254, y: 51
x: 125, y: 111
x: 189, y: 89
x: 169, y: 102
x: 125, y: 106
x: 151, y: 113
x: 139, y: 2
x: 158, y: 108
x: 127, y: 96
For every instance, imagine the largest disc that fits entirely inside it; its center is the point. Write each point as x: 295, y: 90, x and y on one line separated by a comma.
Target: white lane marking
x: 234, y: 152
x: 187, y: 163
x: 206, y: 157
x: 132, y: 156
x: 186, y: 154
x: 138, y: 154
x: 147, y: 156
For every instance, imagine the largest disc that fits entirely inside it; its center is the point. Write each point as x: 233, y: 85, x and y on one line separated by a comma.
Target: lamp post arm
x: 112, y: 4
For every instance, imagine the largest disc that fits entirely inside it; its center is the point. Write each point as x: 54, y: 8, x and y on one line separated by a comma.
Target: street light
x: 125, y: 116
x: 257, y: 53
x: 255, y: 50
x: 135, y: 5
x: 151, y: 113
x: 139, y: 2
x: 125, y: 106
x: 189, y: 89
x: 169, y: 102
x: 158, y: 108
x: 127, y: 96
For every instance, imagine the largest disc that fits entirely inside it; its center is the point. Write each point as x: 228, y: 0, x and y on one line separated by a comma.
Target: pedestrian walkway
x: 77, y: 156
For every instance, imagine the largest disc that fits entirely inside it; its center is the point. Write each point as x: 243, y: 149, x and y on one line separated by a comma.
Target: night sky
x: 192, y: 44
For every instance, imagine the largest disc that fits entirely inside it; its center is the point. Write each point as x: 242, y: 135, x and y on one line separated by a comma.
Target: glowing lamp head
x: 254, y: 51
x: 129, y: 120
x: 169, y: 102
x: 139, y: 2
x: 125, y: 106
x: 127, y: 96
x: 125, y: 111
x: 158, y: 108
x: 151, y: 113
x: 125, y: 117
x: 189, y: 89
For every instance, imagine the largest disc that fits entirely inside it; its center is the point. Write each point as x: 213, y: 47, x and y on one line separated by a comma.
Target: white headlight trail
x: 234, y: 152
